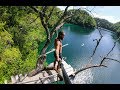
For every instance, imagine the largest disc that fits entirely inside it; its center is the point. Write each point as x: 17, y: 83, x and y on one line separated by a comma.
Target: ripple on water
x: 84, y: 77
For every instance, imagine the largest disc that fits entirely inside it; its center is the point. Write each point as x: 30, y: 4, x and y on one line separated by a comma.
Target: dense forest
x: 81, y: 17
x: 104, y: 23
x: 108, y: 25
x: 116, y: 27
x: 21, y: 34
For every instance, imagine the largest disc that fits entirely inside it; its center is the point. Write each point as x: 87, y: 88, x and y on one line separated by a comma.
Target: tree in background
x: 21, y: 33
x: 81, y: 17
x: 46, y: 14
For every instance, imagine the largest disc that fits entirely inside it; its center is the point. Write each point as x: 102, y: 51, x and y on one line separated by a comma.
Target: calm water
x: 80, y: 48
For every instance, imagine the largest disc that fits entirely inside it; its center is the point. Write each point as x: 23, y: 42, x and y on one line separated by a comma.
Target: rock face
x: 47, y: 76
x: 41, y: 78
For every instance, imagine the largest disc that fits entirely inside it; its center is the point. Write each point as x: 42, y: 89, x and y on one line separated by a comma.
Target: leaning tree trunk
x: 44, y: 21
x: 42, y: 56
x: 41, y: 59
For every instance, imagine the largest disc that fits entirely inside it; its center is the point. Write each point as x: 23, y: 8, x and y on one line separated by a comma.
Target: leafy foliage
x: 108, y: 25
x: 116, y: 27
x: 82, y: 18
x: 104, y: 23
x: 20, y: 35
x: 10, y: 57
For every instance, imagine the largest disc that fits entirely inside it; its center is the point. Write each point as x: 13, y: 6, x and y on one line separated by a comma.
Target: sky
x: 110, y: 13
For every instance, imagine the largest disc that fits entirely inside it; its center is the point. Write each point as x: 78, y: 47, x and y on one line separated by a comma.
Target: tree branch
x: 45, y: 26
x: 104, y: 58
x: 42, y: 16
x: 32, y: 7
x: 90, y: 11
x: 44, y: 8
x: 58, y: 27
x: 113, y: 59
x: 88, y: 68
x: 44, y: 13
x: 49, y: 16
x: 63, y: 17
x: 98, y: 42
x: 109, y: 51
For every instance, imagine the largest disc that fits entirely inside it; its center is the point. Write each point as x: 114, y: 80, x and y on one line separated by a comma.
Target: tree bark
x: 44, y: 20
x: 42, y: 56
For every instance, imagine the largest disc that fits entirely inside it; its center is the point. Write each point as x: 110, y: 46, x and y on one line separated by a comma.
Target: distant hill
x: 104, y: 23
x: 116, y: 27
x: 82, y: 18
x: 108, y: 25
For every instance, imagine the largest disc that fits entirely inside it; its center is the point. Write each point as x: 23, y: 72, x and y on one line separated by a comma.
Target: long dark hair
x: 60, y: 34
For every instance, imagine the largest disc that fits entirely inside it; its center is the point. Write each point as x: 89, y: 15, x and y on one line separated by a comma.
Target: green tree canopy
x: 81, y: 17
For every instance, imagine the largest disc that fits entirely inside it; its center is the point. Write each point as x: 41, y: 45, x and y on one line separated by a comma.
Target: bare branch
x: 65, y: 12
x: 104, y: 58
x: 42, y: 15
x: 58, y: 27
x: 98, y: 42
x: 32, y: 7
x: 100, y: 34
x: 49, y: 16
x: 111, y: 49
x: 102, y: 61
x: 110, y: 52
x: 90, y: 11
x: 88, y: 68
x: 44, y: 9
x: 113, y: 59
x: 63, y: 17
